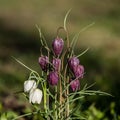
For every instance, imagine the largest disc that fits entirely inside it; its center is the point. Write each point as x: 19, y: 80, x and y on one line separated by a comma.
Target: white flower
x: 35, y: 96
x: 29, y: 85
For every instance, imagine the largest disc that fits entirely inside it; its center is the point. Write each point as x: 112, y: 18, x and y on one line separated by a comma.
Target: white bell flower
x: 29, y: 85
x: 35, y: 96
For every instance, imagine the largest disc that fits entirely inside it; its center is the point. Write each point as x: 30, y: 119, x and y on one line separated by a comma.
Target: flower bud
x: 53, y: 78
x: 79, y: 71
x: 29, y: 85
x: 43, y: 62
x: 56, y: 64
x: 57, y: 46
x: 35, y: 96
x: 75, y: 85
x: 73, y: 63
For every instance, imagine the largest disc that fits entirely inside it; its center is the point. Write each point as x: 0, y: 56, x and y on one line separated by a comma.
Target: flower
x: 53, y: 78
x: 29, y: 84
x: 79, y: 71
x: 57, y: 46
x: 35, y: 96
x: 73, y: 63
x: 56, y: 64
x: 75, y: 85
x: 43, y: 62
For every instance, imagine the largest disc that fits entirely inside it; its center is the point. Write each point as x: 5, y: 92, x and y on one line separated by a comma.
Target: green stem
x: 45, y: 98
x: 60, y: 97
x: 44, y: 94
x: 55, y: 103
x: 47, y: 85
x: 68, y: 101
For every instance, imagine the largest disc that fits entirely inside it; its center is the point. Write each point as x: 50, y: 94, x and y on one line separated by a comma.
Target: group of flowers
x: 35, y: 94
x: 54, y: 67
x: 61, y: 71
x: 77, y: 70
x: 53, y: 76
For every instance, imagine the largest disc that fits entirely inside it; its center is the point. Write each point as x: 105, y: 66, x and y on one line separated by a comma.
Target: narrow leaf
x: 75, y: 38
x: 22, y: 64
x: 65, y: 19
x: 83, y: 52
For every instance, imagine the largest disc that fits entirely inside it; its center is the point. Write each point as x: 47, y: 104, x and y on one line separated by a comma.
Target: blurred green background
x: 20, y: 38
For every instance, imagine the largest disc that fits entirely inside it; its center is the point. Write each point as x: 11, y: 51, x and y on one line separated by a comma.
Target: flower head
x: 29, y: 85
x: 56, y: 64
x: 35, y: 96
x: 43, y: 62
x: 73, y: 63
x: 57, y: 46
x: 53, y: 78
x: 75, y: 85
x: 79, y: 71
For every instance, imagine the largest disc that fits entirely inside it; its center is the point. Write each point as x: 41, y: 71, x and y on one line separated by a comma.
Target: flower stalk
x: 45, y: 97
x: 56, y: 114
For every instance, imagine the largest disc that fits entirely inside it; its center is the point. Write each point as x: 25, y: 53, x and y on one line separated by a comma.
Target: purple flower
x: 53, y: 78
x: 75, y: 85
x: 43, y: 62
x: 73, y: 63
x: 57, y: 46
x: 79, y: 71
x: 56, y: 64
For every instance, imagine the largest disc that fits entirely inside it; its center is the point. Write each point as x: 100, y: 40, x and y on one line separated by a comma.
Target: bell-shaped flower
x: 73, y: 63
x: 29, y: 85
x: 57, y: 46
x: 75, y: 85
x: 79, y: 71
x: 56, y: 64
x: 53, y: 78
x: 43, y: 62
x: 35, y: 96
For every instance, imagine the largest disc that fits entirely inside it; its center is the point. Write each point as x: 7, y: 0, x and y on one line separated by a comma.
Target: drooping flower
x: 43, y: 62
x: 35, y: 96
x: 79, y: 71
x: 29, y: 85
x: 53, y: 78
x: 73, y: 63
x: 57, y: 46
x: 56, y: 64
x: 75, y: 85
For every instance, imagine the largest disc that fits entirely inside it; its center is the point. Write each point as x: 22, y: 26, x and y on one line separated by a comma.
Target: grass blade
x: 83, y: 52
x: 75, y: 38
x: 22, y: 64
x: 65, y: 19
